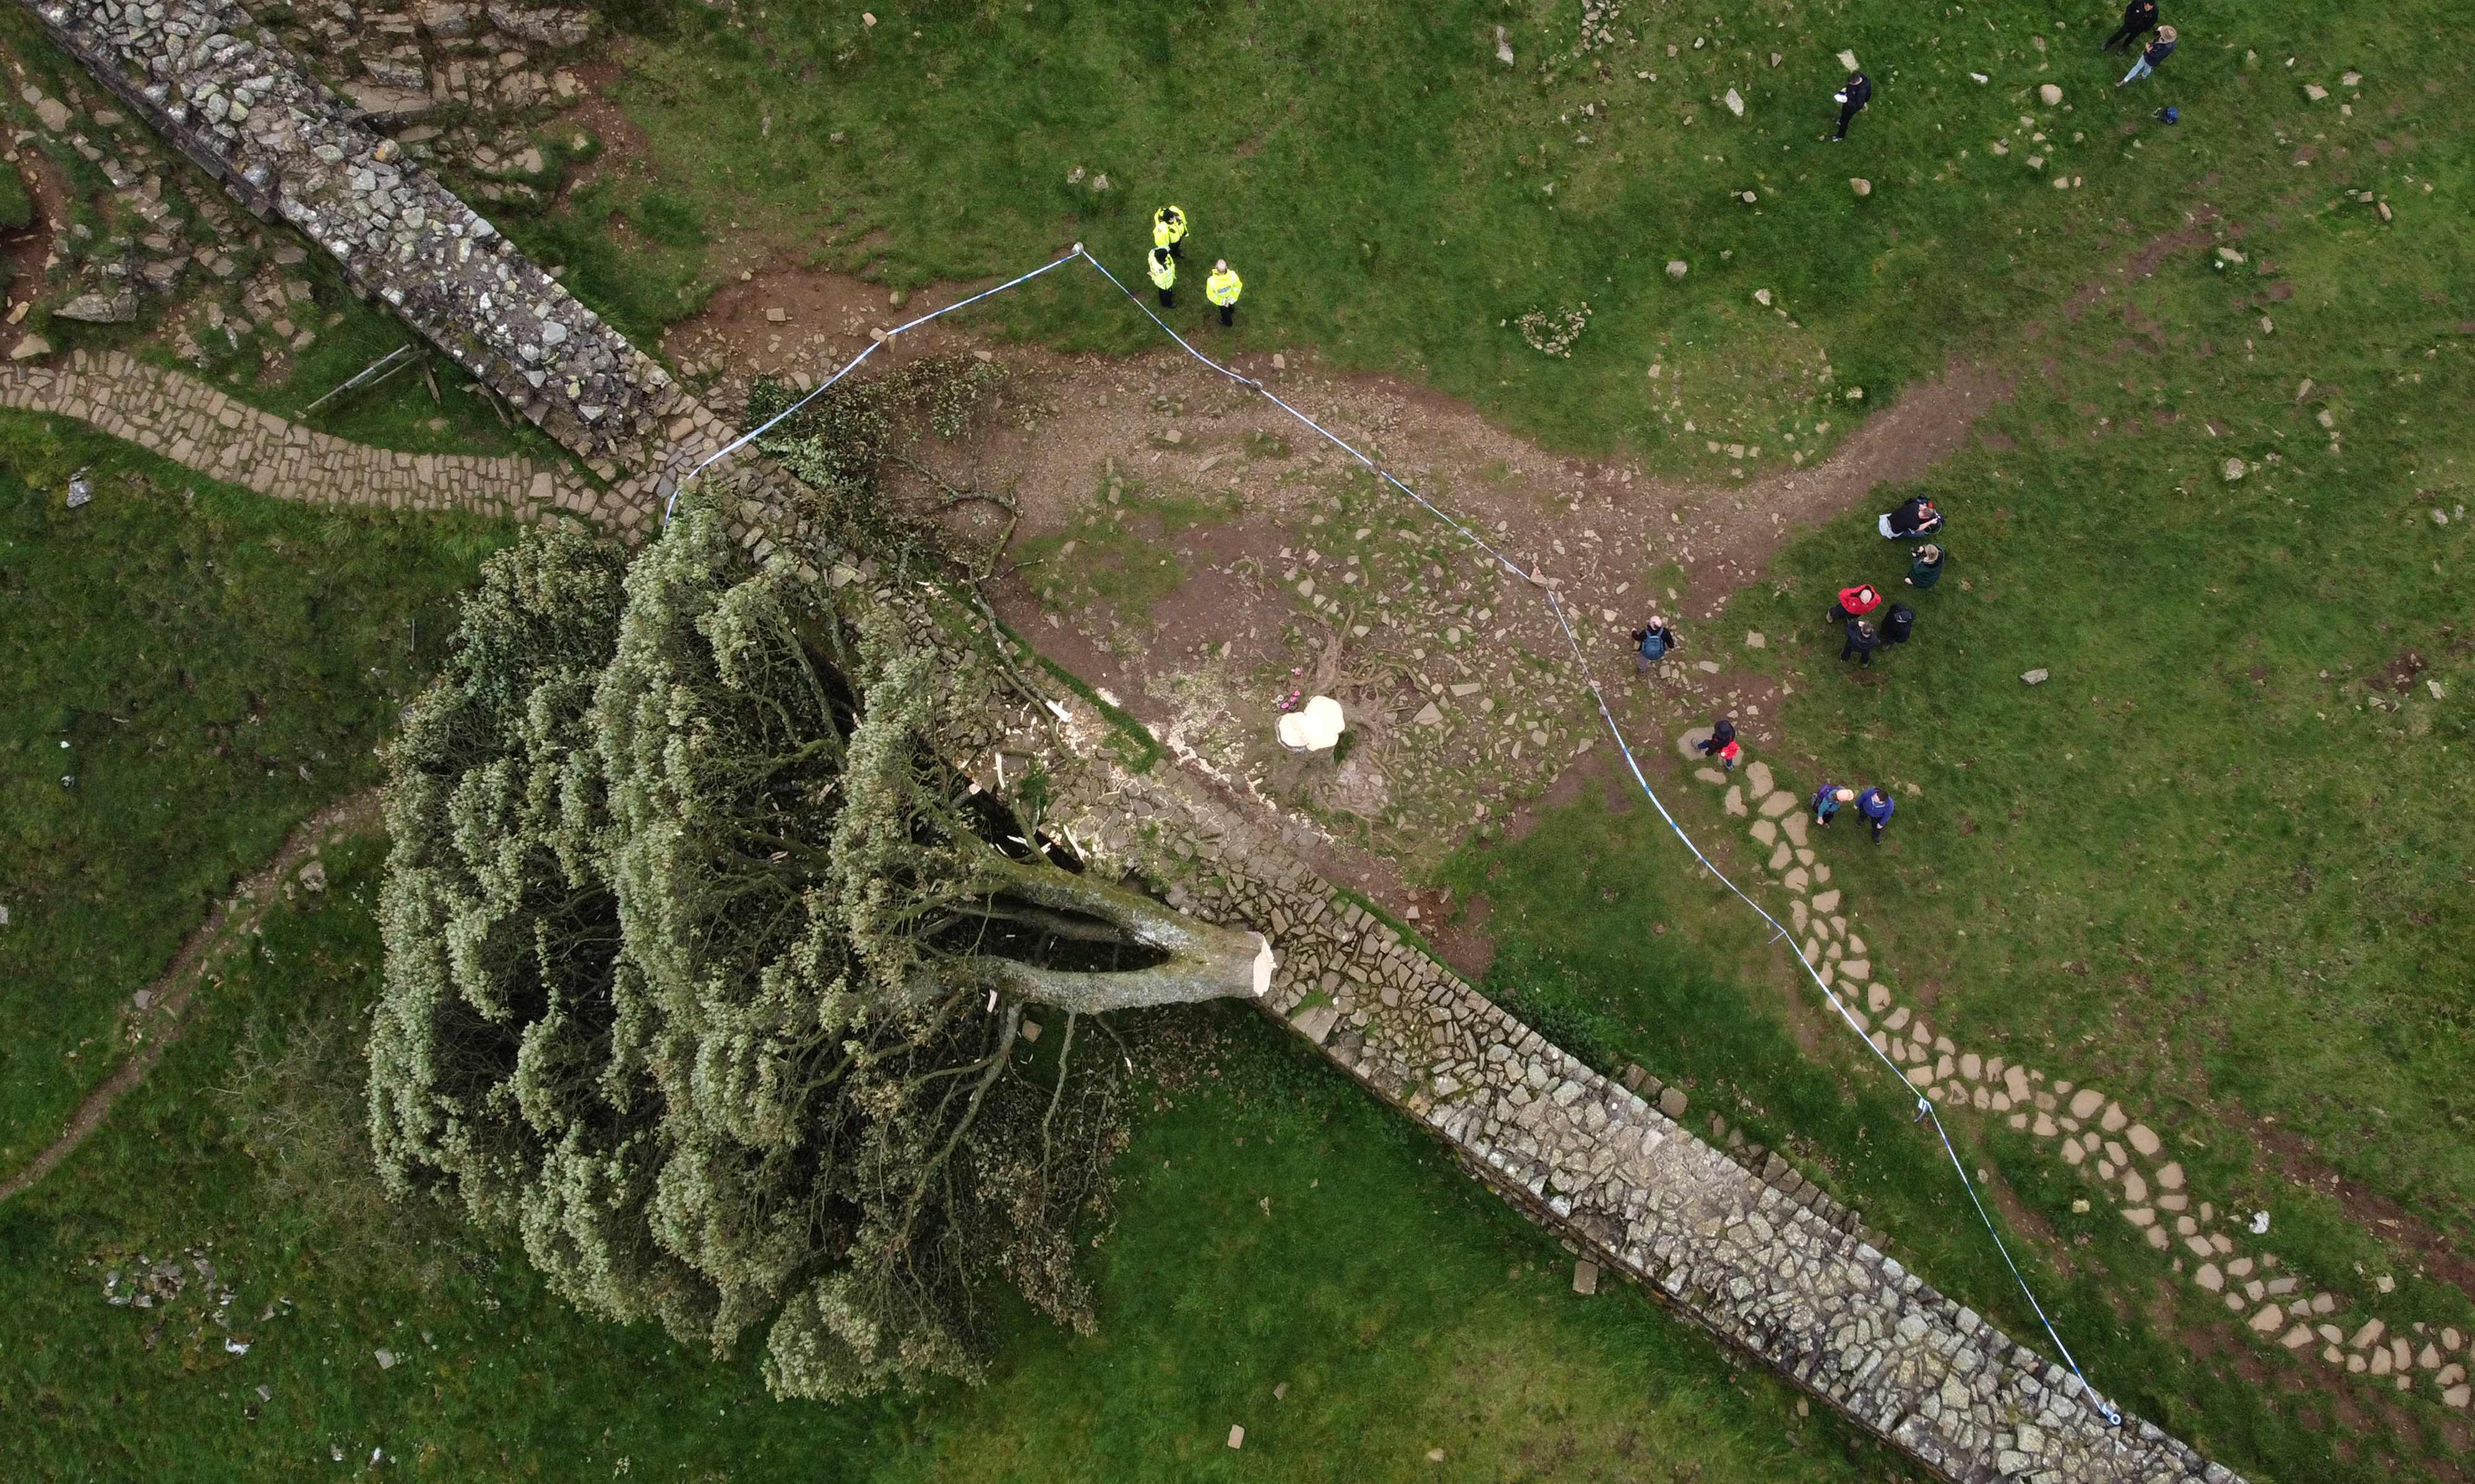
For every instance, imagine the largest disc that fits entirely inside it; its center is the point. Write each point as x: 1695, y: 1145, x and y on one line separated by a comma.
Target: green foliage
x: 1401, y: 1307
x: 705, y: 969
x: 208, y: 666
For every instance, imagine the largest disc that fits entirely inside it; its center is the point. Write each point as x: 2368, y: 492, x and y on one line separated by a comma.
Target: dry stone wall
x: 205, y: 75
x: 1749, y: 1259
x: 1752, y: 1260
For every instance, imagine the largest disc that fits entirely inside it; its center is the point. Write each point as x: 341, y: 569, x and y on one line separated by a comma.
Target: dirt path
x: 168, y: 996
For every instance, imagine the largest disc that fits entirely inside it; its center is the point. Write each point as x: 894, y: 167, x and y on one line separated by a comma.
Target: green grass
x: 1607, y: 942
x: 2218, y: 859
x: 1277, y: 1230
x: 207, y: 667
x: 1119, y: 553
x: 1384, y: 182
x: 16, y: 206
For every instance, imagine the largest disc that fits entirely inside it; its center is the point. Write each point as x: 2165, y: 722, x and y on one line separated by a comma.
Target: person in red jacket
x: 1856, y: 602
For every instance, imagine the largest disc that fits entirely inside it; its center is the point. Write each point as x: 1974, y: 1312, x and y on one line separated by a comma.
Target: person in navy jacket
x: 1876, y: 806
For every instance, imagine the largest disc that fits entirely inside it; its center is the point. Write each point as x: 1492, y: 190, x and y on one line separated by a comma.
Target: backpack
x: 1654, y: 644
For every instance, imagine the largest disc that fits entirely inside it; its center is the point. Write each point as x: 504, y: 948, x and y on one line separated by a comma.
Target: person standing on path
x: 2138, y: 18
x: 1169, y: 230
x: 1876, y: 806
x: 1653, y: 643
x: 1222, y: 288
x: 1925, y: 568
x: 1856, y: 602
x: 1827, y: 802
x: 1721, y: 744
x: 2158, y: 51
x: 1851, y: 98
x: 1862, y: 642
x: 1164, y: 277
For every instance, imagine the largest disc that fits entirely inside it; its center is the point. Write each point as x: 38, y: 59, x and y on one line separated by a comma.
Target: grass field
x: 1398, y: 199
x: 205, y: 666
x: 1278, y: 1231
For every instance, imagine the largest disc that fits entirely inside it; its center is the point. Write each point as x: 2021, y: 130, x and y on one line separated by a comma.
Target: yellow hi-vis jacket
x: 1168, y: 227
x: 1223, y: 287
x: 1164, y: 268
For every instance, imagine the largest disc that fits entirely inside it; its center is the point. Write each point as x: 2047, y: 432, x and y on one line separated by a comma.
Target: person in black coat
x: 2138, y: 18
x: 1853, y: 95
x: 1862, y: 640
x: 1896, y: 627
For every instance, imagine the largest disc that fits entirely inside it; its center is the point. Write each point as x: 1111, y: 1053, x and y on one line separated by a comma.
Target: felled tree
x: 758, y: 1063
x: 492, y: 1068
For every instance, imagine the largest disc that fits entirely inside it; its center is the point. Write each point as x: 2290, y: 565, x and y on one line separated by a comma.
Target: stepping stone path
x: 2093, y: 1132
x: 192, y: 424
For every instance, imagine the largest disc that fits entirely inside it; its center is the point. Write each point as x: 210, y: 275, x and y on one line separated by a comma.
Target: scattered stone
x: 1585, y: 1277
x: 2236, y: 469
x: 1676, y: 268
x: 1847, y: 59
x: 54, y: 114
x: 2314, y: 91
x: 2049, y: 94
x: 2035, y: 676
x: 1755, y: 640
x: 115, y: 308
x: 1860, y: 185
x: 1503, y: 47
x: 1671, y: 1102
x: 386, y: 1360
x: 1236, y: 1436
x: 313, y: 876
x: 30, y: 347
x: 1735, y: 102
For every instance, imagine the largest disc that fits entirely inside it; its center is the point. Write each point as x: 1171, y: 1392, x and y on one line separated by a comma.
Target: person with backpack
x: 1916, y: 516
x: 1856, y: 602
x: 1653, y: 643
x: 1826, y: 801
x: 1876, y: 806
x: 2151, y: 58
x: 1851, y: 98
x: 1862, y: 640
x: 2138, y: 18
x: 1720, y: 745
x: 1924, y: 567
x: 1897, y: 625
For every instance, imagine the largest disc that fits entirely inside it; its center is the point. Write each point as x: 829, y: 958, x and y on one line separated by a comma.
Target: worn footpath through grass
x: 1402, y: 201
x: 193, y: 669
x: 2208, y: 862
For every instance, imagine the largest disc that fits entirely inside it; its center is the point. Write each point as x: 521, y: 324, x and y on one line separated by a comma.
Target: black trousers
x: 1168, y: 299
x: 1850, y: 651
x: 2131, y: 30
x: 1177, y: 251
x: 1227, y: 314
x: 1846, y: 112
x: 1878, y: 827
